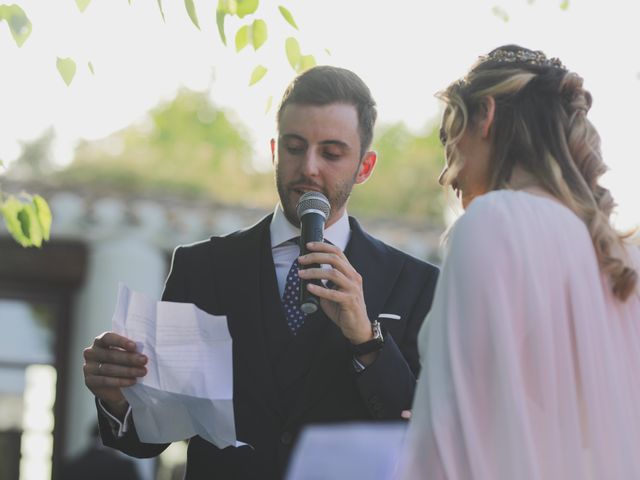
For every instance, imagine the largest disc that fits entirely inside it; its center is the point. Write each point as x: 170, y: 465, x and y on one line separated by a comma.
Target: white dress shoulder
x: 530, y: 366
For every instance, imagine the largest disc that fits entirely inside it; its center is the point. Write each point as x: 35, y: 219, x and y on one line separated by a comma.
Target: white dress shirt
x: 285, y: 252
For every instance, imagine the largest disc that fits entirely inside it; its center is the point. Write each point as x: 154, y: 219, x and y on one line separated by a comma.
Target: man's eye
x: 293, y: 150
x: 331, y: 155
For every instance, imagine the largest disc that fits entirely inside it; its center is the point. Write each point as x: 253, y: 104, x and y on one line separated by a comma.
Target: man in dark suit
x: 354, y: 359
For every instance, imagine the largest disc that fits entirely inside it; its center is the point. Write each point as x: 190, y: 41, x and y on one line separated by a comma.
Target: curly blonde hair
x: 540, y: 124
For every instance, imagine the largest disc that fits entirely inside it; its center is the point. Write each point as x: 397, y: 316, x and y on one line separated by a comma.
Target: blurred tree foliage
x: 192, y: 148
x: 35, y: 159
x: 187, y: 146
x: 404, y: 182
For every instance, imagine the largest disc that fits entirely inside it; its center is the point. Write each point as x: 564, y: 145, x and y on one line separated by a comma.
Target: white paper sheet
x: 348, y: 451
x: 188, y: 389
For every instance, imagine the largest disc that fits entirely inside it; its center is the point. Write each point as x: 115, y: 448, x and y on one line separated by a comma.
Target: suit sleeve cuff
x: 118, y: 428
x: 387, y: 385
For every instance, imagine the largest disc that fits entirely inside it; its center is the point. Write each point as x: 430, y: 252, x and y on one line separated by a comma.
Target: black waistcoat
x: 290, y: 355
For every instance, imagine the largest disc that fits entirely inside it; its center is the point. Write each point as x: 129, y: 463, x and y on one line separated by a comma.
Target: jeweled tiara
x: 522, y: 56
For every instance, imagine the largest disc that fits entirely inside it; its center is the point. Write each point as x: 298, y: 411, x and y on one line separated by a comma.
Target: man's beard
x: 337, y: 199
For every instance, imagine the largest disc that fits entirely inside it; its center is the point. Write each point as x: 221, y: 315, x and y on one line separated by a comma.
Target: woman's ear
x: 488, y: 112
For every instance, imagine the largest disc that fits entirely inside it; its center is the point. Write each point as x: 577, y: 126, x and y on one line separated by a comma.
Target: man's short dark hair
x: 324, y: 85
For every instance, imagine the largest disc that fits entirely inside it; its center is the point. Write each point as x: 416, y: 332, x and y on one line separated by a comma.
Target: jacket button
x: 286, y: 438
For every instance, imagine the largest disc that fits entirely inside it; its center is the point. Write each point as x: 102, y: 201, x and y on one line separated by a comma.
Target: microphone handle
x: 311, y: 230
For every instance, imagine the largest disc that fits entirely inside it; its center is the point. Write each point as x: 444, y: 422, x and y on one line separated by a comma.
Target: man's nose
x: 311, y: 165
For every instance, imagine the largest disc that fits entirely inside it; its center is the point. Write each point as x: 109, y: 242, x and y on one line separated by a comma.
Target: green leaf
x: 501, y: 13
x: 258, y: 33
x: 225, y: 7
x: 220, y: 23
x: 67, y: 69
x: 43, y: 214
x: 90, y: 65
x: 19, y: 23
x: 242, y: 37
x: 230, y: 7
x: 246, y: 7
x: 257, y: 74
x: 298, y: 62
x: 306, y: 62
x: 25, y: 224
x: 269, y: 102
x: 82, y: 4
x: 288, y: 17
x: 564, y: 5
x: 161, y: 10
x: 221, y: 13
x: 10, y: 210
x: 191, y: 10
x: 292, y: 48
x: 30, y: 225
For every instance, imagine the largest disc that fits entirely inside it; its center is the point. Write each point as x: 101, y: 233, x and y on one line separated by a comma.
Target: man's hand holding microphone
x: 343, y: 303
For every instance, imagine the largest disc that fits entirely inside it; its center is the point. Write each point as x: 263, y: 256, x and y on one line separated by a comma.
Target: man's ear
x: 366, y: 166
x: 488, y: 112
x: 273, y: 150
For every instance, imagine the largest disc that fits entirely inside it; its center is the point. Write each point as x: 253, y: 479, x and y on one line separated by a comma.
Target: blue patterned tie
x: 291, y: 300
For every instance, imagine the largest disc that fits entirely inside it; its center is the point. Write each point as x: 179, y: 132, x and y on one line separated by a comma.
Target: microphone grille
x: 313, y: 201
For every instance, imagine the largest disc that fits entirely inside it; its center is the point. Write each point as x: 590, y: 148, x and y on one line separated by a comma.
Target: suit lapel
x: 376, y: 263
x: 239, y: 256
x: 379, y: 269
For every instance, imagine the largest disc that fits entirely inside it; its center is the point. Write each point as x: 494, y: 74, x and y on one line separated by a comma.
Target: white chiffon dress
x: 530, y: 366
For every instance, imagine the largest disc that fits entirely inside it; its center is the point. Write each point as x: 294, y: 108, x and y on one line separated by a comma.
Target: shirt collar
x: 282, y: 231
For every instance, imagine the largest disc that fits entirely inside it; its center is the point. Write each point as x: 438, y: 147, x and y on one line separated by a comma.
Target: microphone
x: 313, y: 210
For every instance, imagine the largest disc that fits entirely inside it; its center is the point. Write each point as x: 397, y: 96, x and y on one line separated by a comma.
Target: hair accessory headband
x: 523, y: 56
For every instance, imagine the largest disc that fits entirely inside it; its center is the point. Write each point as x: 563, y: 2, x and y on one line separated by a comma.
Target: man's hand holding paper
x: 189, y: 379
x: 112, y: 363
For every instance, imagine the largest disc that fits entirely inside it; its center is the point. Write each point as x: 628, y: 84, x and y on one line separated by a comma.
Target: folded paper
x: 188, y: 389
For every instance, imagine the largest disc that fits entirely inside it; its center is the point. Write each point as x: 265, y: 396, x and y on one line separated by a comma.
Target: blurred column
x: 121, y: 249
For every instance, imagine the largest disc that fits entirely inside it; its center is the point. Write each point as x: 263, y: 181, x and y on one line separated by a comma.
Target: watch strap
x: 373, y: 345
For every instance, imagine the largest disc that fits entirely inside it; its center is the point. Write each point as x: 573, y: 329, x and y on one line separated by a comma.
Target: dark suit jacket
x: 224, y: 276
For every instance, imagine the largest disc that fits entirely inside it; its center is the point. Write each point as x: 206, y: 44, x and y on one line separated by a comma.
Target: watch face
x: 377, y: 331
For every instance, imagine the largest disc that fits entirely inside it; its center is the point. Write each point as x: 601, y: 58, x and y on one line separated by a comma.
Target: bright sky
x: 405, y: 51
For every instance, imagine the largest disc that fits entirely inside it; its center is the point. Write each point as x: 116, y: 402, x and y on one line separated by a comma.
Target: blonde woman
x: 531, y: 352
